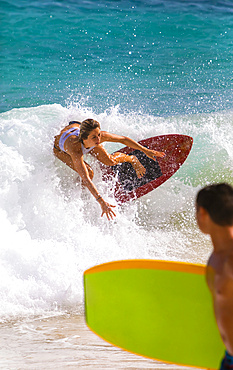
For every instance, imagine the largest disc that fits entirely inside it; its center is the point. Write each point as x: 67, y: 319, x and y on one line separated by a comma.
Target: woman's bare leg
x: 112, y: 159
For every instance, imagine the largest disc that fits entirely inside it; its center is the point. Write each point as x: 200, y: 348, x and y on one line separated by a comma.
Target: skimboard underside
x: 158, y: 309
x: 127, y: 185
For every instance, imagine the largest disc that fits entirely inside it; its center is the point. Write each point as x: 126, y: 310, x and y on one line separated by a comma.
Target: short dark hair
x: 86, y: 127
x: 217, y: 200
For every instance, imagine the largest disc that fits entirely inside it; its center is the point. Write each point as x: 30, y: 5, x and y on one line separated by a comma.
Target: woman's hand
x: 106, y: 209
x: 153, y: 154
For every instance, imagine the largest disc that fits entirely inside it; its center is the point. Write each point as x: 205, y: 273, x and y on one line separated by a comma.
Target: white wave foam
x: 51, y: 228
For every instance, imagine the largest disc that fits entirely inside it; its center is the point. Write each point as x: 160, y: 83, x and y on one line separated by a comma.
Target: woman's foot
x: 138, y: 167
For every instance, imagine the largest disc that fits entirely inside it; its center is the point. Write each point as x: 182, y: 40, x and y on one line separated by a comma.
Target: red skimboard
x: 127, y: 186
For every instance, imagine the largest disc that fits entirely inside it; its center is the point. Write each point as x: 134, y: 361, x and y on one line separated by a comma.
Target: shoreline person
x: 214, y: 213
x: 79, y: 138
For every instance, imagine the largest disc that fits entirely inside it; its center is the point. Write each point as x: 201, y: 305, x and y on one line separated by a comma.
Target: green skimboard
x: 158, y: 309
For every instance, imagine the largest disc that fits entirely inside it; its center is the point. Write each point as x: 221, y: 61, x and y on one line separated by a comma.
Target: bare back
x: 73, y: 143
x: 219, y: 275
x: 57, y: 137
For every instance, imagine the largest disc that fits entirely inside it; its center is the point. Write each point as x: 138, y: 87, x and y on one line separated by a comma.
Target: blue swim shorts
x: 227, y: 362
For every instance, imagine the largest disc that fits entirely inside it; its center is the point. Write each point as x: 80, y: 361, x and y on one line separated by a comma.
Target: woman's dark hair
x: 72, y: 122
x: 86, y: 127
x: 217, y: 200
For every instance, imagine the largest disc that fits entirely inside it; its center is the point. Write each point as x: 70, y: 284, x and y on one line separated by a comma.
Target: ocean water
x: 141, y: 68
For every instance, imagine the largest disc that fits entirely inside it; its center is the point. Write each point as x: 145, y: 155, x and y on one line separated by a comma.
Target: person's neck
x: 222, y: 238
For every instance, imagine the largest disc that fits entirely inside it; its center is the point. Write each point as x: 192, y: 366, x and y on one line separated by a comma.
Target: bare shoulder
x: 107, y: 136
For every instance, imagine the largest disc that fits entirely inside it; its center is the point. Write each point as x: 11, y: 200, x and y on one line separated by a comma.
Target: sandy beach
x: 64, y: 342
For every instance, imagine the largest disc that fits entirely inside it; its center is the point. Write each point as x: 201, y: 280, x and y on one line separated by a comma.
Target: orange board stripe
x: 148, y: 264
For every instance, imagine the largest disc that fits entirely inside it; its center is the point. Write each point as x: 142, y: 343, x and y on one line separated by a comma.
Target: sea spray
x: 51, y: 227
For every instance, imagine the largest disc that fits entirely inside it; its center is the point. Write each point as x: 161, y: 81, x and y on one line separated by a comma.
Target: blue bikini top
x: 68, y: 133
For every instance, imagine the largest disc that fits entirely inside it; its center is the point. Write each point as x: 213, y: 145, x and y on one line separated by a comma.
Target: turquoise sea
x: 141, y: 68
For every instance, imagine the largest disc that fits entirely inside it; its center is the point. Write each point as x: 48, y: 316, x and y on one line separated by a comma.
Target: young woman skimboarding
x: 79, y: 138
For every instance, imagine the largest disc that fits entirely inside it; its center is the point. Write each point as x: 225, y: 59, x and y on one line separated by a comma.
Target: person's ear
x: 203, y: 218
